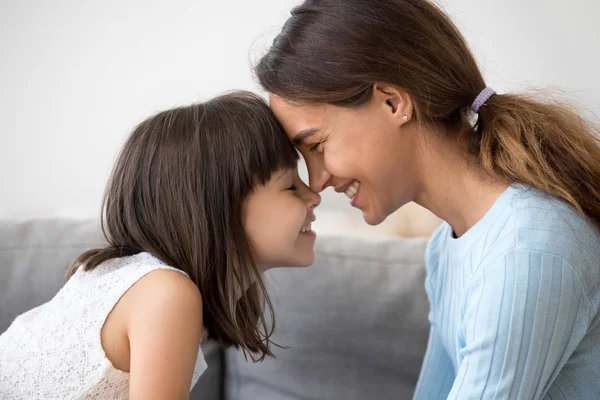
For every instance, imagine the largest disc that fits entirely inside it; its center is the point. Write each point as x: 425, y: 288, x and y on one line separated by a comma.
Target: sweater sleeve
x: 437, y: 373
x: 522, y: 316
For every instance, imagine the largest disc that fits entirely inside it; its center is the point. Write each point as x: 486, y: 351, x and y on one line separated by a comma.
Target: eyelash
x: 293, y: 188
x: 314, y: 148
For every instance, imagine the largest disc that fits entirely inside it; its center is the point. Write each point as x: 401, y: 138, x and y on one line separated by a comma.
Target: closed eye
x: 315, y: 147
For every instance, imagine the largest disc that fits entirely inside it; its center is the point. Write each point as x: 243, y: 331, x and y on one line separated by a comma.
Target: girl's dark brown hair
x: 333, y: 51
x: 176, y: 191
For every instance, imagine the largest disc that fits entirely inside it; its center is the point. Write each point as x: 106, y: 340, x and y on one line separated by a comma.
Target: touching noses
x: 311, y: 199
x: 318, y: 178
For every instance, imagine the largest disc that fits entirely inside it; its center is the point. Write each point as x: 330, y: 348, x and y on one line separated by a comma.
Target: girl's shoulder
x: 156, y: 288
x: 161, y: 317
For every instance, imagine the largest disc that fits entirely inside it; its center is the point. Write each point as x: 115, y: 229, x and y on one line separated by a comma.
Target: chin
x: 373, y: 219
x: 300, y: 260
x: 377, y: 215
x: 304, y: 262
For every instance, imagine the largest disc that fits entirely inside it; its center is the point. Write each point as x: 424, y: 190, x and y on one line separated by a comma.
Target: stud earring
x: 405, y: 117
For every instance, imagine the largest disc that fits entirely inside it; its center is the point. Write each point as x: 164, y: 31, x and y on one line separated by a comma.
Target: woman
x: 385, y: 101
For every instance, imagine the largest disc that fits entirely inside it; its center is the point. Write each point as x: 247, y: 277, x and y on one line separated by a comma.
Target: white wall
x: 77, y: 75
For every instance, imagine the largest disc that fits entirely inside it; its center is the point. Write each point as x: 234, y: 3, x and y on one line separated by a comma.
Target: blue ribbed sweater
x: 514, y: 305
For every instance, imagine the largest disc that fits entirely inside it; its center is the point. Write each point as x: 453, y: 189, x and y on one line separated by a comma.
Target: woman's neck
x: 454, y: 188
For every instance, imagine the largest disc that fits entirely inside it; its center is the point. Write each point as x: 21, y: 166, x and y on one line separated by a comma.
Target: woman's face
x: 277, y: 220
x: 369, y: 153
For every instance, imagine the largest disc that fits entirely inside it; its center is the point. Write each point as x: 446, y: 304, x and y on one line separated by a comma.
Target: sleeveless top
x: 54, y: 351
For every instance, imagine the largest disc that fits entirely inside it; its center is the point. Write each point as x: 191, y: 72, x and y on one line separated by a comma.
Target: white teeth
x: 352, y: 190
x: 306, y: 228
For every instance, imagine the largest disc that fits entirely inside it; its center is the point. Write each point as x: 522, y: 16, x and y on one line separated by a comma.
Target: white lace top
x: 54, y: 351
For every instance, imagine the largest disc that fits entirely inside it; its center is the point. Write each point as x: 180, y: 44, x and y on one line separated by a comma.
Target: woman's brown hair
x: 176, y: 192
x: 333, y: 51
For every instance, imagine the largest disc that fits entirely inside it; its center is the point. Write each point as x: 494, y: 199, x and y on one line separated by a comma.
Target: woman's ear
x: 397, y: 102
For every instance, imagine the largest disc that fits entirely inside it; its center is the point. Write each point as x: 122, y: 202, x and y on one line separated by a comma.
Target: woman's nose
x: 318, y: 178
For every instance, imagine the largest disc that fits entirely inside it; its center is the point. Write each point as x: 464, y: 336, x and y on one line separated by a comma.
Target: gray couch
x: 355, y: 323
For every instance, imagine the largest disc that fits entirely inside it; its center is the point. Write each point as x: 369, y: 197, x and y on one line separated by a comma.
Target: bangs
x: 269, y: 150
x: 259, y: 145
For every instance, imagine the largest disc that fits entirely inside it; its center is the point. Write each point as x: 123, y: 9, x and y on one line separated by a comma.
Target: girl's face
x: 370, y: 153
x: 277, y: 219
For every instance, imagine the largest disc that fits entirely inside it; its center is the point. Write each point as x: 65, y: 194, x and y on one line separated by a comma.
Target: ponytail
x: 543, y: 144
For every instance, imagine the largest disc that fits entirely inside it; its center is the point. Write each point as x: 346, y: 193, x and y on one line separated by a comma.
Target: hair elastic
x: 482, y: 98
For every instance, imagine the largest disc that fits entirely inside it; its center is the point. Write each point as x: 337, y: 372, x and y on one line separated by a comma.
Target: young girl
x: 386, y: 103
x: 202, y: 200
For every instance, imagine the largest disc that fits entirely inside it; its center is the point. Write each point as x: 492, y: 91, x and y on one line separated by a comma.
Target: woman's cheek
x: 338, y: 164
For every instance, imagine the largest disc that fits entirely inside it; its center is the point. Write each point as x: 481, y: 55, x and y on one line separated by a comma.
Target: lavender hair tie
x: 482, y: 98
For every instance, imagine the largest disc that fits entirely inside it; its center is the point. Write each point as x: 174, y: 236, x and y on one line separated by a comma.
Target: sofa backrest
x: 355, y: 323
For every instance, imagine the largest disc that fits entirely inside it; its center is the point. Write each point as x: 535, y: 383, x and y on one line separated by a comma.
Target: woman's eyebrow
x: 303, y: 134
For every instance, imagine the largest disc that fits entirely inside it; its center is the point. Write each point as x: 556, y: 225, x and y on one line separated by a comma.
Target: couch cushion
x: 33, y: 258
x: 355, y: 323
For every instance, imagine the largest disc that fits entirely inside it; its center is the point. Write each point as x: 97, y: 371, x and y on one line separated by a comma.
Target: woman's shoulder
x: 435, y: 245
x: 544, y: 222
x: 540, y: 225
